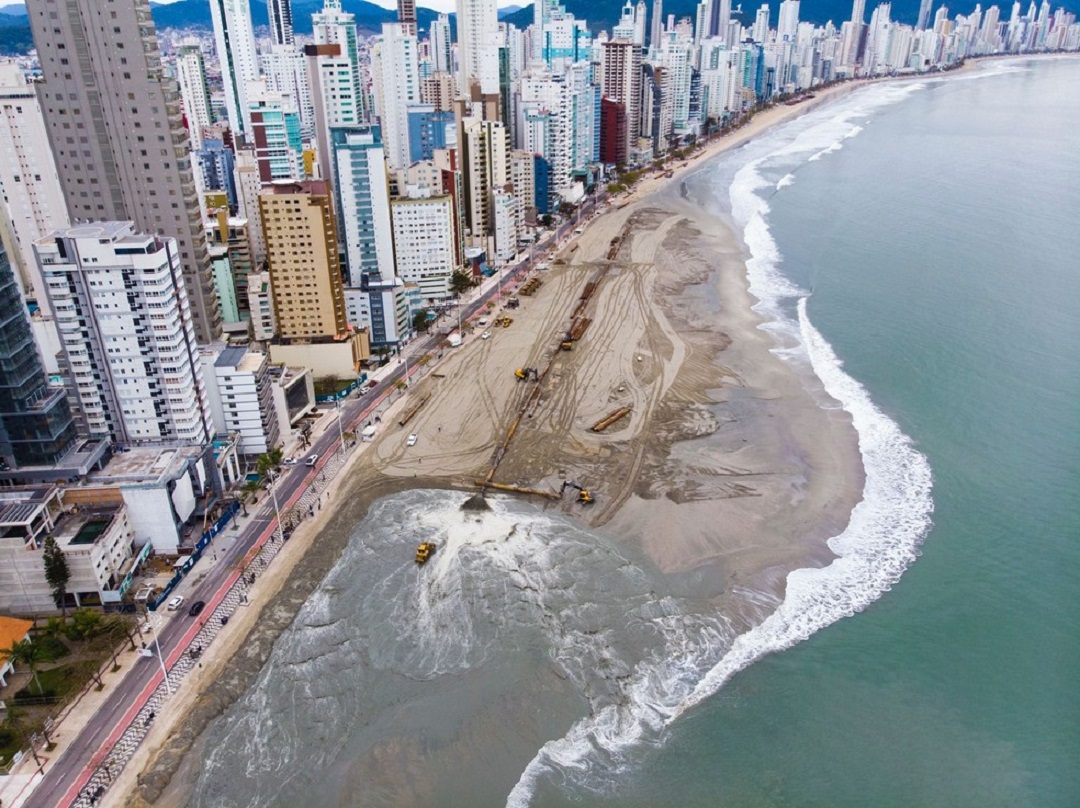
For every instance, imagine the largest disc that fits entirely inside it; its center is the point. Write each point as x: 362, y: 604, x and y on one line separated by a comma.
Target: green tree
x: 420, y: 321
x: 461, y: 281
x: 268, y: 461
x: 85, y: 624
x: 56, y: 572
x: 547, y: 220
x: 28, y: 652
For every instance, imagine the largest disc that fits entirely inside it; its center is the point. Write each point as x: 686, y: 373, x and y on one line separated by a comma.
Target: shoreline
x: 283, y: 589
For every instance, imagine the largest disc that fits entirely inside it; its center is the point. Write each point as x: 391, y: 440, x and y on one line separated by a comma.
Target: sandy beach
x: 727, y: 472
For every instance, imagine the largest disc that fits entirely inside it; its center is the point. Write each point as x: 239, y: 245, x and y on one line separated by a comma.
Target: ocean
x: 916, y: 244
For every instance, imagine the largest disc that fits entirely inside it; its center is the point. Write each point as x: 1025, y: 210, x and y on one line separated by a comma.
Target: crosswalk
x: 108, y: 764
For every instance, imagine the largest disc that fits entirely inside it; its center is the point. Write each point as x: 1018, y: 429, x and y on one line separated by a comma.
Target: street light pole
x: 341, y: 432
x: 273, y: 497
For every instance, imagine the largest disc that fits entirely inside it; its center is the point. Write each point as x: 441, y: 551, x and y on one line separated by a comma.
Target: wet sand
x: 727, y: 472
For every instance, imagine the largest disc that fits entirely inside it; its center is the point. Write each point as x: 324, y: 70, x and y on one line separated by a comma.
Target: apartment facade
x: 127, y: 331
x: 117, y: 131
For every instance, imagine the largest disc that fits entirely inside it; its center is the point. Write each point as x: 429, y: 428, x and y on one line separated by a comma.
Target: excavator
x: 584, y: 496
x: 524, y: 374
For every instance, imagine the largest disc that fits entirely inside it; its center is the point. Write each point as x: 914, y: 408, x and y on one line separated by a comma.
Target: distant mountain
x: 369, y: 17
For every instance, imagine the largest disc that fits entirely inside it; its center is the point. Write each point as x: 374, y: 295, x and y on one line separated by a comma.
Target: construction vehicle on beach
x: 585, y: 497
x: 424, y: 551
x: 524, y: 374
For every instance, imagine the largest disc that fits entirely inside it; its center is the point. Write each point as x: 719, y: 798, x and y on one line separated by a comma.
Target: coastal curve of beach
x: 742, y: 499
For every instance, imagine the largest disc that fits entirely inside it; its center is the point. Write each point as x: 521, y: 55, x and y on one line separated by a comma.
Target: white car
x: 290, y: 461
x: 485, y: 335
x: 175, y: 603
x: 311, y: 460
x: 411, y: 441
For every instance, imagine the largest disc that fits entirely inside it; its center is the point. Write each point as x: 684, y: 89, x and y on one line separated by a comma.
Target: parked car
x: 412, y: 440
x: 290, y: 461
x: 312, y: 459
x: 485, y: 335
x: 196, y: 608
x: 175, y: 603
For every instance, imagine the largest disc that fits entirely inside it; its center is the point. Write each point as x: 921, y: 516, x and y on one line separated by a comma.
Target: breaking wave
x: 881, y: 540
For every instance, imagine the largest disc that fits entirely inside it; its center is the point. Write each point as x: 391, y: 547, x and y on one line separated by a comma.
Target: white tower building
x: 478, y: 45
x: 126, y: 327
x: 399, y: 86
x: 29, y: 185
x: 235, y: 42
x: 191, y: 74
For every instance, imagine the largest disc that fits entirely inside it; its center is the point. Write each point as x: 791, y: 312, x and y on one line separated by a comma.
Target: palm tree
x: 28, y: 652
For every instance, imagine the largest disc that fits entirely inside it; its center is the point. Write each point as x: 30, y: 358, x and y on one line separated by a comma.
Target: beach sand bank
x: 727, y: 472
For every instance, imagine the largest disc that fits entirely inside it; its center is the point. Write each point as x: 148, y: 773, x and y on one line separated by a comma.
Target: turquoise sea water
x: 924, y: 235
x: 941, y: 241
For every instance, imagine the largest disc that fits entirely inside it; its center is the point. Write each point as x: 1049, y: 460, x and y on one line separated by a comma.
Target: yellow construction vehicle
x: 584, y: 496
x: 567, y: 345
x: 424, y: 551
x: 524, y: 374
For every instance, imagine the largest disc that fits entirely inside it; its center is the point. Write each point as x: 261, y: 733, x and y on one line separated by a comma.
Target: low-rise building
x: 96, y: 538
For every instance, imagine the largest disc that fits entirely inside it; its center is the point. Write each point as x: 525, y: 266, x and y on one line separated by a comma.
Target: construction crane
x: 584, y: 496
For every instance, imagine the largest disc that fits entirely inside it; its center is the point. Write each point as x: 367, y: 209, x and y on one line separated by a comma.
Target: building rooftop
x: 12, y: 630
x: 142, y: 463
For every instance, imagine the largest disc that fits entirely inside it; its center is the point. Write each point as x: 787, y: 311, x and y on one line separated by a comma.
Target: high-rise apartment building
x: 241, y: 396
x: 248, y: 187
x: 406, y: 16
x: 127, y: 331
x: 484, y: 155
x: 36, y: 425
x: 363, y: 195
x: 479, y: 39
x: 302, y: 257
x: 620, y: 82
x: 285, y: 71
x: 235, y: 41
x: 336, y: 95
x: 281, y: 27
x: 276, y: 134
x: 191, y: 75
x: 29, y: 186
x: 439, y: 37
x: 117, y: 132
x: 425, y: 244
x: 398, y: 89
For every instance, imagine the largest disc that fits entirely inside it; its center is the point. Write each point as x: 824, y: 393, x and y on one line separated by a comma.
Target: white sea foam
x: 879, y: 543
x: 785, y: 181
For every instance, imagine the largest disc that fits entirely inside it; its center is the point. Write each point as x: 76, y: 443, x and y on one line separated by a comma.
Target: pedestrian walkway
x: 109, y: 762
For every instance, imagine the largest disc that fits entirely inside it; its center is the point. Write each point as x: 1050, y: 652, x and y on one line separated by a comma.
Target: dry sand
x: 727, y: 469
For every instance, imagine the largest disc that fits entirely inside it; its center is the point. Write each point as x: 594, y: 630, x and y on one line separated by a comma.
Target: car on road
x: 312, y: 459
x: 175, y: 603
x: 412, y: 440
x: 196, y: 608
x: 290, y: 461
x: 485, y: 335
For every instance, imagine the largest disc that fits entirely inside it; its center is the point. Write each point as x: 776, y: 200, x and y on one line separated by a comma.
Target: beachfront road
x: 66, y: 776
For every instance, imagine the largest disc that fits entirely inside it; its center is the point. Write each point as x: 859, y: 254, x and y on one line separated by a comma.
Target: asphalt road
x: 67, y: 775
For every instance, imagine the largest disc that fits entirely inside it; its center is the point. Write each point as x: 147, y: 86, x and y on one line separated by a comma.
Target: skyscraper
x: 235, y: 40
x: 406, y: 15
x: 280, y: 13
x: 36, y: 425
x: 191, y: 74
x: 363, y: 198
x: 117, y: 132
x: 924, y: 14
x: 478, y: 46
x: 302, y: 255
x: 399, y: 86
x: 126, y: 328
x: 29, y: 186
x: 620, y: 83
